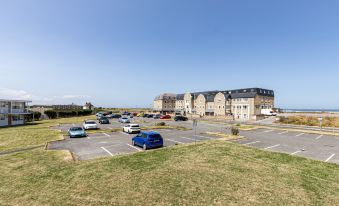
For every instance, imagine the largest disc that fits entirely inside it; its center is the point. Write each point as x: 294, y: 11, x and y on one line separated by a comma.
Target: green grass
x: 209, y: 173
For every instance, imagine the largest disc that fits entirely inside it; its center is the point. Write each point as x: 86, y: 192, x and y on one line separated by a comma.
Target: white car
x: 131, y: 128
x: 90, y: 124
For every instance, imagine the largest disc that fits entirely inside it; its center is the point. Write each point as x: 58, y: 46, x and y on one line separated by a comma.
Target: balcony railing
x: 13, y: 111
x: 4, y: 110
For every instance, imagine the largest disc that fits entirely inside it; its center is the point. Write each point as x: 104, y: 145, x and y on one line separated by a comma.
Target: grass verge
x: 208, y: 173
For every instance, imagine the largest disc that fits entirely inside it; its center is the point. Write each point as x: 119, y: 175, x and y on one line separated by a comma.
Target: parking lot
x: 318, y: 147
x: 116, y: 143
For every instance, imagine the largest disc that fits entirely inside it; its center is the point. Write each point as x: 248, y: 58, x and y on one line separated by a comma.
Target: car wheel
x: 144, y: 147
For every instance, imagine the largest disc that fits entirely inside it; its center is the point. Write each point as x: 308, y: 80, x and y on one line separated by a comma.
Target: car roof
x: 134, y: 124
x: 150, y: 132
x: 89, y: 120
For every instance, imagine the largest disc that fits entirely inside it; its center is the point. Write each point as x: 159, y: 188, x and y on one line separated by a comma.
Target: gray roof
x: 180, y: 96
x: 165, y: 96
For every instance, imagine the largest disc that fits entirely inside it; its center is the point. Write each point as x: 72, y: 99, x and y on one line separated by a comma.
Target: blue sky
x: 123, y: 53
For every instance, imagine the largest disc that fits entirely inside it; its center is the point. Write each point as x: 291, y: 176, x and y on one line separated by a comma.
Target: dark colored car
x: 157, y: 116
x: 115, y: 116
x: 150, y: 116
x: 180, y: 118
x: 103, y: 120
x: 165, y: 116
x: 148, y: 140
x: 145, y: 115
x: 126, y: 113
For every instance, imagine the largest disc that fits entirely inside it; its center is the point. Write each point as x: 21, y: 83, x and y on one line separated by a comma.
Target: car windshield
x: 76, y: 129
x: 104, y: 118
x: 124, y: 118
x: 155, y: 136
x: 90, y: 123
x: 135, y: 125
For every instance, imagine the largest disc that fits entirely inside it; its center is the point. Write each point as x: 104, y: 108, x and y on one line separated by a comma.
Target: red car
x: 165, y: 117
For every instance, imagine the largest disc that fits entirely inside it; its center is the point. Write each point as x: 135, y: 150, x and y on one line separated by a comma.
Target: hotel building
x: 239, y: 104
x: 12, y: 112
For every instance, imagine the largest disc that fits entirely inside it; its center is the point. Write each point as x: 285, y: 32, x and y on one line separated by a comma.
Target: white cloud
x: 6, y: 93
x: 75, y: 96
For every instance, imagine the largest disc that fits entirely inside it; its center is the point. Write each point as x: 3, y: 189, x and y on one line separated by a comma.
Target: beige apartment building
x: 240, y: 104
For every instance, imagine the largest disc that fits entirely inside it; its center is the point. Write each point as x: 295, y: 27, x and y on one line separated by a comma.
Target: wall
x: 200, y: 106
x: 220, y: 104
x: 3, y: 120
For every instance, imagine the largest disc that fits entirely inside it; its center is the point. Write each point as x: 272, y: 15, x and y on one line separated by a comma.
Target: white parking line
x: 267, y: 131
x: 272, y: 146
x: 283, y: 132
x: 320, y: 136
x: 175, y: 141
x: 204, y: 137
x: 298, y: 135
x: 251, y: 143
x: 107, y: 151
x: 134, y: 147
x: 328, y: 159
x: 295, y: 152
x: 189, y: 138
x: 106, y: 134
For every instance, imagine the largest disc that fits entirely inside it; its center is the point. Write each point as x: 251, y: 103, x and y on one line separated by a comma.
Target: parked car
x: 103, y: 120
x: 90, y: 124
x: 150, y: 115
x: 180, y: 118
x: 126, y: 113
x: 148, y: 140
x: 114, y: 116
x: 165, y: 116
x: 140, y: 115
x: 145, y: 115
x: 157, y: 116
x: 131, y: 128
x: 131, y: 116
x: 77, y: 132
x: 124, y: 120
x: 99, y: 115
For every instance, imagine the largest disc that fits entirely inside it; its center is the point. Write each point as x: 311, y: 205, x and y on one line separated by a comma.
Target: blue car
x: 148, y: 140
x: 77, y: 132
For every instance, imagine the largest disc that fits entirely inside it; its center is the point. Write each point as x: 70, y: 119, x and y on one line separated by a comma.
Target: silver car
x: 124, y: 120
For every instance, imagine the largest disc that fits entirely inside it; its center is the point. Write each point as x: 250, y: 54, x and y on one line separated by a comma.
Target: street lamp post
x: 229, y: 98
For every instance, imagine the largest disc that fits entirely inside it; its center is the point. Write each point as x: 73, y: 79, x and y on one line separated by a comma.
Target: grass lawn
x: 209, y: 173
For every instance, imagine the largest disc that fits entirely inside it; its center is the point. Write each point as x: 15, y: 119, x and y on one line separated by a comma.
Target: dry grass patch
x: 310, y: 121
x: 223, y: 136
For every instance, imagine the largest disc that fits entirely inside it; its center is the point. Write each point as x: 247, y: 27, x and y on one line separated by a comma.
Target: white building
x: 12, y: 112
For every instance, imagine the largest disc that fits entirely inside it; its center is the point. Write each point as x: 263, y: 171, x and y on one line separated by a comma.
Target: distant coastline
x: 310, y: 110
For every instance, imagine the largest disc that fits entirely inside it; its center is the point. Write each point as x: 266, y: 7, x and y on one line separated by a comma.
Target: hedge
x: 52, y: 114
x: 29, y: 117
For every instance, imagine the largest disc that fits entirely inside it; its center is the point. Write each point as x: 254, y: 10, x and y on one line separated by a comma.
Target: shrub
x: 51, y: 114
x: 235, y: 131
x: 29, y: 117
x: 160, y: 124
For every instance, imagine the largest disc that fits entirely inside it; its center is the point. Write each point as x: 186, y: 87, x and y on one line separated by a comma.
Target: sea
x: 312, y: 110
